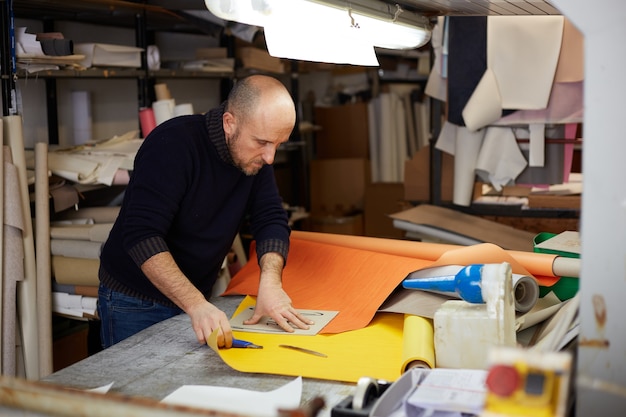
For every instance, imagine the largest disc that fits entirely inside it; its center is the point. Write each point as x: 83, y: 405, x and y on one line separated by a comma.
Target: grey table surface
x: 162, y: 358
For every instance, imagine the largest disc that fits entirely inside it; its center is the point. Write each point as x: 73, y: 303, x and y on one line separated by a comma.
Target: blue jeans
x: 122, y: 316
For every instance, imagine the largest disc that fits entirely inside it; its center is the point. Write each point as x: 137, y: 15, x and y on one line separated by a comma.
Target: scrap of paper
x: 267, y: 325
x: 101, y: 390
x: 237, y: 400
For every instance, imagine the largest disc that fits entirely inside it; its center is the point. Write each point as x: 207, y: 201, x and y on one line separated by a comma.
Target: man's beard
x: 234, y: 148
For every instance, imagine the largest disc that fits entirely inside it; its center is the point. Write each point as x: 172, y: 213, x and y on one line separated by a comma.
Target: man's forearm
x: 271, y: 265
x: 162, y: 271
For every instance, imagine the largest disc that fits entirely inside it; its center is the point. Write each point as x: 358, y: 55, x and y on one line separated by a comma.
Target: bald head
x: 260, y: 96
x: 259, y: 116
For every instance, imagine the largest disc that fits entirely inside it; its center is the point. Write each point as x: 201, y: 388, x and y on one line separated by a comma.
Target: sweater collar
x: 216, y: 132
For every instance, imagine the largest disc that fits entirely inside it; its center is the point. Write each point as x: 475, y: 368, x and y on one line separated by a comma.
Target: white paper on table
x: 101, y: 390
x: 237, y: 400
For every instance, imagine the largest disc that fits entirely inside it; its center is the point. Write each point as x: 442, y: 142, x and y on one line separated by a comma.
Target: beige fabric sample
x: 485, y: 104
x: 27, y: 289
x: 571, y: 65
x: 13, y: 265
x: 500, y: 160
x: 522, y: 54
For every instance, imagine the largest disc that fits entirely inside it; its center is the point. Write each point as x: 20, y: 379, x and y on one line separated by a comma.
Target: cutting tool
x: 303, y: 350
x: 238, y: 343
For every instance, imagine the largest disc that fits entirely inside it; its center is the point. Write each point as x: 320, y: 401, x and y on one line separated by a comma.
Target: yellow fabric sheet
x: 380, y: 350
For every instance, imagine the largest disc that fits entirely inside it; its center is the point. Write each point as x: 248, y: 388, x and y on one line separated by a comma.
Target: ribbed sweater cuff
x: 272, y: 245
x: 146, y: 249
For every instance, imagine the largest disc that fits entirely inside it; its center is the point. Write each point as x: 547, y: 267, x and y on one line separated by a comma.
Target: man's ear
x: 228, y: 121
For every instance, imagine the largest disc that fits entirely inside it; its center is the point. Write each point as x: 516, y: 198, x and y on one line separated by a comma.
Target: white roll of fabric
x: 183, y: 109
x: 163, y: 110
x: 81, y: 103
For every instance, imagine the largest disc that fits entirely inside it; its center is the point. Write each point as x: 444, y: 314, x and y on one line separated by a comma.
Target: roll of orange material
x: 355, y: 275
x: 526, y: 263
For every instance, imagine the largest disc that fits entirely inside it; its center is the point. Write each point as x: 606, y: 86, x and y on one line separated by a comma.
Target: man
x: 195, y: 180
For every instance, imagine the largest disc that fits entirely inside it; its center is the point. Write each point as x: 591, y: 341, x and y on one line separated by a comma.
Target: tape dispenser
x: 367, y: 391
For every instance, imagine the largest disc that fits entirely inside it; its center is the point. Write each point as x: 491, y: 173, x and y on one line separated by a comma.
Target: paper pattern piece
x: 268, y: 325
x: 239, y: 401
x: 377, y: 350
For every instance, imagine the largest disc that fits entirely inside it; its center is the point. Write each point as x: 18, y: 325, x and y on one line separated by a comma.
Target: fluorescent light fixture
x: 250, y: 12
x: 317, y: 34
x: 328, y: 30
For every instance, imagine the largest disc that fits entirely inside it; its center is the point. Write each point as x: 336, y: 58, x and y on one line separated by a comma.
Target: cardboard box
x: 344, y: 131
x: 257, y: 58
x: 554, y: 201
x: 381, y: 200
x: 417, y: 176
x: 342, y: 225
x: 338, y: 185
x: 108, y: 55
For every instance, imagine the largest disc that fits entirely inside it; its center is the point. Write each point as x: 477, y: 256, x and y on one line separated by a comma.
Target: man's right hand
x: 162, y: 271
x: 205, y: 318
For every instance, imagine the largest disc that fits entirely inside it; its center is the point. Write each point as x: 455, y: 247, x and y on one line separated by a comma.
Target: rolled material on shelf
x: 104, y: 214
x: 87, y: 232
x: 13, y: 262
x: 75, y: 248
x: 78, y: 271
x: 44, y: 279
x: 163, y: 110
x: 183, y: 109
x: 147, y: 121
x: 162, y: 92
x: 81, y: 104
x: 27, y: 290
x: 1, y: 242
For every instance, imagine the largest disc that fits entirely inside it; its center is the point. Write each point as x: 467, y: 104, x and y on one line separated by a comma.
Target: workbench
x: 160, y: 359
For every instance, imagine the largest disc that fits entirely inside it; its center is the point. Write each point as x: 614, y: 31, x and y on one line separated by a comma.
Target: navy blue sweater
x: 185, y: 196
